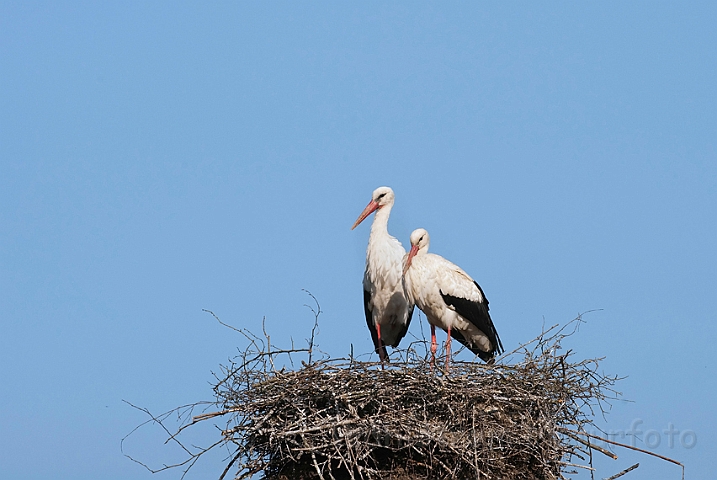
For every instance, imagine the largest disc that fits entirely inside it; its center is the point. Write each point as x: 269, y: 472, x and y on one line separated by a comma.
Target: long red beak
x: 370, y: 208
x: 411, y: 254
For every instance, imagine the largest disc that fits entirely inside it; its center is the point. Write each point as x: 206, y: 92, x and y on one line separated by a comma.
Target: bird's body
x: 387, y: 309
x: 450, y: 298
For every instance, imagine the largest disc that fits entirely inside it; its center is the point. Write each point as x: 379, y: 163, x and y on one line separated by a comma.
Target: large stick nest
x: 524, y: 417
x: 343, y: 418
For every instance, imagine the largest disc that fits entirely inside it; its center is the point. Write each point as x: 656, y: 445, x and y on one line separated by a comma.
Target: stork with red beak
x: 451, y: 300
x: 388, y: 311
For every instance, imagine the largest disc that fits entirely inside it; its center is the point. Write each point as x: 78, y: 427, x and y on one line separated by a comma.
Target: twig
x: 590, y: 445
x: 667, y: 459
x: 316, y: 313
x: 218, y: 320
x: 620, y: 474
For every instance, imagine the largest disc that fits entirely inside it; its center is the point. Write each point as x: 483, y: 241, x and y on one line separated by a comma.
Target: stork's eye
x: 381, y: 196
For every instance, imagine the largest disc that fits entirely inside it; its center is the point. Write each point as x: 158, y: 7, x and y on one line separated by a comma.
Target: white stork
x: 388, y: 311
x: 451, y: 300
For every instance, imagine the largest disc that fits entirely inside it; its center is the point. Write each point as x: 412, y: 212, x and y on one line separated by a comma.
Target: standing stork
x: 388, y: 311
x: 451, y: 300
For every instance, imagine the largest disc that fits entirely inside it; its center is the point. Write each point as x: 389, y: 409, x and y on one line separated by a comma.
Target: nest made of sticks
x: 344, y: 418
x: 524, y: 417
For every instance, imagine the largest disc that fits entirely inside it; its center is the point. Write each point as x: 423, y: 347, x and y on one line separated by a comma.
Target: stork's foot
x: 382, y: 353
x: 383, y: 356
x: 433, y: 356
x: 448, y: 350
x: 434, y: 347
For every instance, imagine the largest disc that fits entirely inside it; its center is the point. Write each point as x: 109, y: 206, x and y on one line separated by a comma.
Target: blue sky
x: 157, y: 159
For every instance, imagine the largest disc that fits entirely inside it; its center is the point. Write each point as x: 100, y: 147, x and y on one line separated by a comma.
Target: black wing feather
x: 404, y: 330
x: 477, y: 314
x: 381, y: 351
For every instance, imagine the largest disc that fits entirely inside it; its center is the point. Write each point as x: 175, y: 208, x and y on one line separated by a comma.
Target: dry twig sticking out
x: 340, y: 418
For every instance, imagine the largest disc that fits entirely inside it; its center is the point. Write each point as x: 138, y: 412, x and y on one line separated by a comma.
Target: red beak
x: 411, y: 254
x: 370, y: 208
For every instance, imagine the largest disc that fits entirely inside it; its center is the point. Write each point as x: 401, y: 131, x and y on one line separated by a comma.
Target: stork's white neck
x: 379, y: 227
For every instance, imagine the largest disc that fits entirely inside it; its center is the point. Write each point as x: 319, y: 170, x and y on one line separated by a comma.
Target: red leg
x: 448, y: 349
x: 434, y: 346
x: 381, y: 349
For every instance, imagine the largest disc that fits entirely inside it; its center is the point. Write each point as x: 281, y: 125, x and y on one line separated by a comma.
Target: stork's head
x: 419, y: 245
x: 381, y: 197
